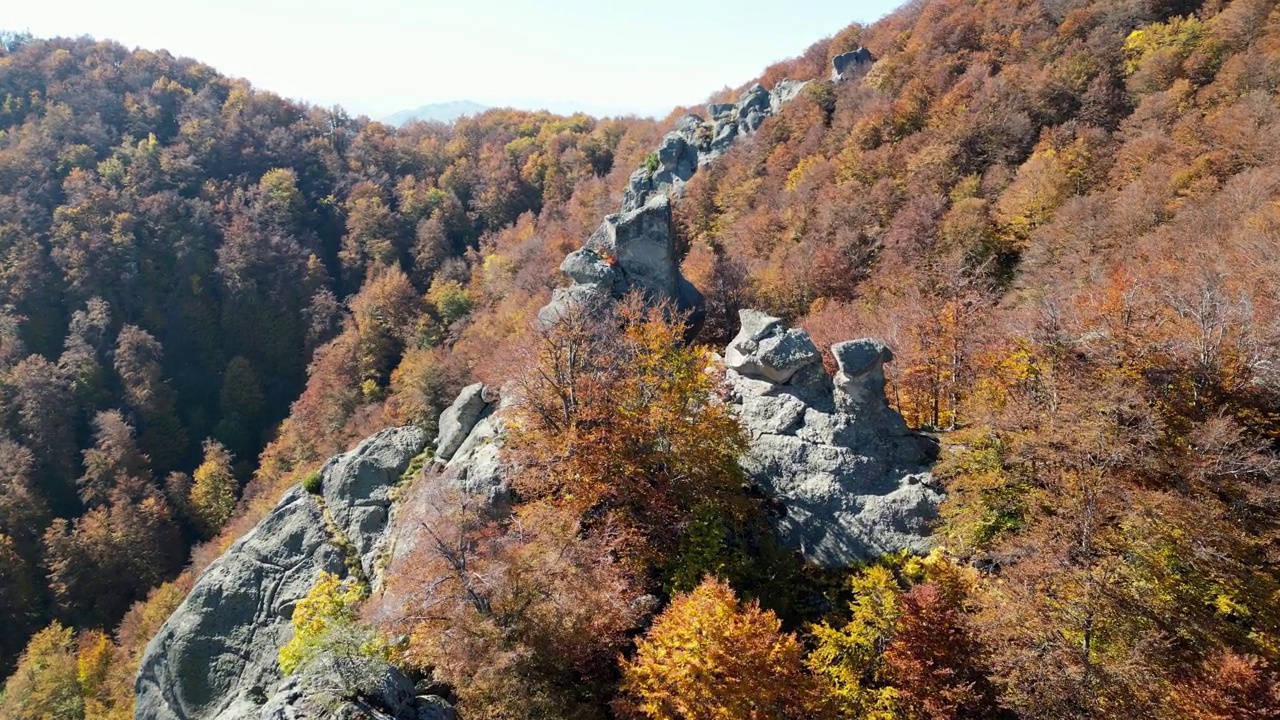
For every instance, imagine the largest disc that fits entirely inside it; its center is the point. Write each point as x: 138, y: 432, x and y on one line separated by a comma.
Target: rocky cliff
x: 216, y: 656
x: 849, y: 480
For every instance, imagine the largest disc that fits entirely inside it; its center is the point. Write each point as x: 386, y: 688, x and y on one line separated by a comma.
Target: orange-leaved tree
x: 618, y: 418
x: 710, y: 657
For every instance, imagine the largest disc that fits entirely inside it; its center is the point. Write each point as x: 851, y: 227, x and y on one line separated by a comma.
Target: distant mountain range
x: 454, y: 109
x: 440, y: 112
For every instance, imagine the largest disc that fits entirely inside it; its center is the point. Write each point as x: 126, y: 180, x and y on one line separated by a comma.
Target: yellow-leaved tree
x: 848, y: 659
x: 213, y: 490
x: 710, y: 657
x: 327, y: 620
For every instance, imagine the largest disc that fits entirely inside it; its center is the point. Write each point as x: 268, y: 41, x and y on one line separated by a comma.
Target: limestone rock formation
x: 629, y: 251
x: 851, y: 479
x: 458, y: 419
x: 847, y: 64
x: 695, y: 142
x: 215, y: 657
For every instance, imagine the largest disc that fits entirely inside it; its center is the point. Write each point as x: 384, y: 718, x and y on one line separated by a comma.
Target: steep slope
x: 1061, y: 218
x: 216, y: 656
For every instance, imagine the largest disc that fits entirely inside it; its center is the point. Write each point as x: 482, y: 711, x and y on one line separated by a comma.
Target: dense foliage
x: 1063, y: 215
x: 179, y: 249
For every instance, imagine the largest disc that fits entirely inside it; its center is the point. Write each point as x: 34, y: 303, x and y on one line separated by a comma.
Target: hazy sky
x: 380, y: 56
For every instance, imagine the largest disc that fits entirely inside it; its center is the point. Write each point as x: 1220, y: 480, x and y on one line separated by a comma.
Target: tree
x: 523, y: 617
x: 114, y: 458
x: 45, y: 420
x: 19, y: 601
x: 139, y: 361
x: 709, y: 656
x: 109, y: 557
x: 848, y: 660
x: 46, y: 684
x: 618, y: 416
x: 935, y: 661
x: 213, y: 490
x: 326, y: 624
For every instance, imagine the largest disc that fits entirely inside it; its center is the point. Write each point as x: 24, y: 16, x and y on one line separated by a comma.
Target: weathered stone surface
x: 720, y: 110
x: 458, y: 419
x: 357, y: 488
x: 476, y: 469
x: 846, y: 64
x: 852, y: 480
x: 859, y: 381
x: 784, y: 92
x: 753, y: 107
x: 696, y: 142
x: 215, y: 657
x: 643, y: 249
x: 343, y: 688
x: 629, y: 251
x: 352, y: 689
x: 766, y: 350
x: 217, y: 653
x: 588, y: 267
x: 569, y: 299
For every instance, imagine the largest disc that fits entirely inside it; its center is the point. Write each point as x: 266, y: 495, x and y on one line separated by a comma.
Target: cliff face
x: 849, y: 480
x: 216, y: 656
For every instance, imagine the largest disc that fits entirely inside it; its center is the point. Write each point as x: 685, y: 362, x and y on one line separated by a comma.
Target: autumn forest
x: 1063, y: 216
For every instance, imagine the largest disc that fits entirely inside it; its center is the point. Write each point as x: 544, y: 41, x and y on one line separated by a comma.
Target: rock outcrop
x: 635, y: 249
x: 629, y: 251
x: 352, y: 689
x: 850, y: 480
x: 695, y: 141
x: 215, y: 657
x: 458, y: 419
x: 848, y: 64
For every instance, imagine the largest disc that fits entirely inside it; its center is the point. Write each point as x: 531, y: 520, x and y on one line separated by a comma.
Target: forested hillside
x: 176, y: 247
x: 1063, y: 216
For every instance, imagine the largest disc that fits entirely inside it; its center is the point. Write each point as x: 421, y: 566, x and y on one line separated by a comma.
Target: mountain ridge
x: 445, y: 112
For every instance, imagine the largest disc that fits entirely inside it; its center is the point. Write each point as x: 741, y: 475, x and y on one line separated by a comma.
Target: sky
x: 377, y: 57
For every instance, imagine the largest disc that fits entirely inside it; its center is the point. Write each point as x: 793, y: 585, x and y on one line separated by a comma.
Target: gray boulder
x: 783, y: 93
x: 764, y: 349
x: 753, y: 107
x: 852, y: 481
x: 588, y: 267
x: 570, y: 299
x: 845, y: 65
x: 215, y: 657
x: 643, y: 249
x: 458, y: 419
x: 716, y: 111
x: 630, y: 251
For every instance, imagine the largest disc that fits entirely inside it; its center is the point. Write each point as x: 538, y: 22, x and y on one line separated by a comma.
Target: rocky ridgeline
x: 695, y: 141
x: 215, y: 658
x: 849, y: 480
x: 635, y: 249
